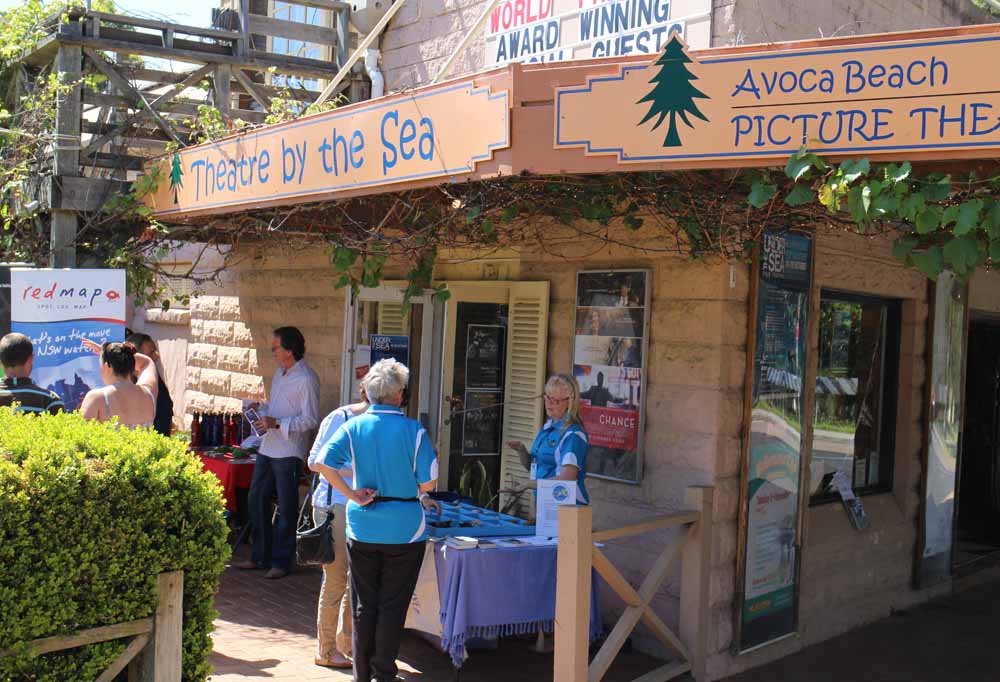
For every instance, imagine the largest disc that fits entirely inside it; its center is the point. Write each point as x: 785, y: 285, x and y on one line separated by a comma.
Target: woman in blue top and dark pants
x: 395, y: 468
x: 560, y: 448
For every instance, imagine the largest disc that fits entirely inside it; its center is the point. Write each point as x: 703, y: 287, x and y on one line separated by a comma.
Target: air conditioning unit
x: 366, y: 13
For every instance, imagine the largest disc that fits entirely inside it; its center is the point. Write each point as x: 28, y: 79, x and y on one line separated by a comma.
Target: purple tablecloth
x: 487, y: 593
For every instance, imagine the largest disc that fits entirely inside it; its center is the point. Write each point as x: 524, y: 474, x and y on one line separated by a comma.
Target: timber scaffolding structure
x: 103, y: 136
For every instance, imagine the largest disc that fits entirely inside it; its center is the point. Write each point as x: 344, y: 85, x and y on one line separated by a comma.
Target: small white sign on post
x: 552, y: 494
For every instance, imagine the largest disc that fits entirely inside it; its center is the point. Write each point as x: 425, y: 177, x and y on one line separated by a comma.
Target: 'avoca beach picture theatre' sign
x: 894, y: 97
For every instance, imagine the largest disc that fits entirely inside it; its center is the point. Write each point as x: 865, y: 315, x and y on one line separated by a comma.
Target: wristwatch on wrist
x: 423, y: 496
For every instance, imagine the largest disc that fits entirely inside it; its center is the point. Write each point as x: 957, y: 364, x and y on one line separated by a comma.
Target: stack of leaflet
x: 461, y: 542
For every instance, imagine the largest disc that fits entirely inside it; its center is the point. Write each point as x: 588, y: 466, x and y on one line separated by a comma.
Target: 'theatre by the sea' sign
x: 432, y: 133
x: 871, y: 98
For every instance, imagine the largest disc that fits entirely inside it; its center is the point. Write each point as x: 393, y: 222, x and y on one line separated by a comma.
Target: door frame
x: 390, y: 292
x: 491, y: 291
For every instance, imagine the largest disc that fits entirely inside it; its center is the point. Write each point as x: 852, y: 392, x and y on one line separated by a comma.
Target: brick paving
x: 953, y: 638
x: 266, y: 630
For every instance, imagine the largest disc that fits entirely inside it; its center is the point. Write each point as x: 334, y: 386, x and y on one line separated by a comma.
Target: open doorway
x: 978, y: 523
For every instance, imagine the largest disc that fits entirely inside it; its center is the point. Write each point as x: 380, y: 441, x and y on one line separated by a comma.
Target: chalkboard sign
x: 481, y: 423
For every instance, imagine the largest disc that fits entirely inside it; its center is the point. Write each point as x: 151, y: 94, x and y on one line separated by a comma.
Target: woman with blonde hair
x: 560, y: 449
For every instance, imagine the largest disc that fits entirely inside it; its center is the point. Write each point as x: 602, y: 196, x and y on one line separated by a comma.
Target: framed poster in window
x: 610, y: 343
x: 484, y: 356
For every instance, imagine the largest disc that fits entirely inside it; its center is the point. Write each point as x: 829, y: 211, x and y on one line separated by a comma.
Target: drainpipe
x: 371, y: 66
x: 367, y: 42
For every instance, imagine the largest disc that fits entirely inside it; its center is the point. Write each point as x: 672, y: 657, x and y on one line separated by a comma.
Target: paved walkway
x: 266, y: 630
x: 953, y: 638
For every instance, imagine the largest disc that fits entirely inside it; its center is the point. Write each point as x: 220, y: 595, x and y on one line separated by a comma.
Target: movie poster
x: 768, y: 609
x: 57, y: 309
x: 609, y: 347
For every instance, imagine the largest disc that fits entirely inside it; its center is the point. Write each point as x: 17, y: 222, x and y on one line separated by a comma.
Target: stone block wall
x: 423, y: 34
x: 738, y: 22
x: 693, y: 411
x: 229, y: 357
x: 851, y: 577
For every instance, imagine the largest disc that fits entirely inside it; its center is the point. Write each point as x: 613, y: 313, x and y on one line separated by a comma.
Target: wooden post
x: 223, y: 91
x: 573, y: 576
x: 66, y: 161
x: 696, y: 569
x: 341, y: 18
x: 243, y: 44
x: 161, y: 660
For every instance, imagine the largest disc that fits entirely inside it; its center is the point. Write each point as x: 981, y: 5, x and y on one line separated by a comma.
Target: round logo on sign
x: 560, y: 493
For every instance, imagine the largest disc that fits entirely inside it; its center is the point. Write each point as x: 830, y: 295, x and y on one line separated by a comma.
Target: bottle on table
x: 196, y: 430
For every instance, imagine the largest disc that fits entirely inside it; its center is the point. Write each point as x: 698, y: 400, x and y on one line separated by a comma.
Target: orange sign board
x: 874, y: 98
x: 431, y: 133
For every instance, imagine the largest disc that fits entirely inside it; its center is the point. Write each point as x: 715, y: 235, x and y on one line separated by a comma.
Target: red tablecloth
x: 233, y: 474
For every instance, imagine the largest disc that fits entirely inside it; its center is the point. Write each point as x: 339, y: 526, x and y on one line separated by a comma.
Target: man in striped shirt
x: 17, y: 356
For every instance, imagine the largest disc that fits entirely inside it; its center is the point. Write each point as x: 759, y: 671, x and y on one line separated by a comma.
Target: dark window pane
x: 851, y: 432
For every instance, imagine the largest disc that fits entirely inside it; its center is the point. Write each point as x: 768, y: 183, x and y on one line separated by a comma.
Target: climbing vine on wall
x: 939, y: 221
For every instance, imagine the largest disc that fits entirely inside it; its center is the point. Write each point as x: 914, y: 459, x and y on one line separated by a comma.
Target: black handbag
x: 315, y: 545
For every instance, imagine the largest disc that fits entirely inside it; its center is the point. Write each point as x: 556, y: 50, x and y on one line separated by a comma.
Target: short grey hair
x: 385, y: 379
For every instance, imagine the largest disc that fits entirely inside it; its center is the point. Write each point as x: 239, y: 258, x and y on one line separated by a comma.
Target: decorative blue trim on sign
x: 324, y: 120
x: 622, y: 156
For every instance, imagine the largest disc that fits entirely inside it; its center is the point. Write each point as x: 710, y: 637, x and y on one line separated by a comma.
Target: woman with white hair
x: 395, y: 468
x: 560, y: 448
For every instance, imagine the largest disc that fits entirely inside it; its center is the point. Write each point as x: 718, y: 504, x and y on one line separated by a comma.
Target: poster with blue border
x: 386, y: 346
x: 57, y: 309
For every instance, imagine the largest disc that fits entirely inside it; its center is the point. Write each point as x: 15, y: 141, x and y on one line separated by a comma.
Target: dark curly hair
x: 120, y: 357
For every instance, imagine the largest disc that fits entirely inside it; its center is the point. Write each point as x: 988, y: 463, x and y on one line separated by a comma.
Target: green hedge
x: 89, y: 515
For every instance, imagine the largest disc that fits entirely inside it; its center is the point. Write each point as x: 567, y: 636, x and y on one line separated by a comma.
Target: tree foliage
x: 938, y: 221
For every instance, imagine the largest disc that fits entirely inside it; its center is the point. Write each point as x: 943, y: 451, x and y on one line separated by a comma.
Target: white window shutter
x: 391, y: 319
x: 527, y: 337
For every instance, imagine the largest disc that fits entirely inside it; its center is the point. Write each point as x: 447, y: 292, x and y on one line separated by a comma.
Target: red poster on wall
x: 611, y: 427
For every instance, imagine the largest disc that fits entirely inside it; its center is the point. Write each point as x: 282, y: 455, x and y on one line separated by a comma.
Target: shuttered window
x: 391, y: 319
x: 527, y: 335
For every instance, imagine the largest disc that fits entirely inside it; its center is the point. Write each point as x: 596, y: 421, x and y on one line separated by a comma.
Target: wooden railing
x: 578, y: 555
x: 153, y: 655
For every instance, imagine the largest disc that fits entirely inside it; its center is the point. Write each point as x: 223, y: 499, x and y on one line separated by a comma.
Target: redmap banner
x: 57, y: 309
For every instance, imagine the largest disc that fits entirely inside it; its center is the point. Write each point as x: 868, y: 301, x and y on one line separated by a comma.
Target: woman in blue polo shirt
x: 560, y: 448
x: 395, y: 469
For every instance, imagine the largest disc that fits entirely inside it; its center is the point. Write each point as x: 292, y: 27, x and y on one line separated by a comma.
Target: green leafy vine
x: 940, y: 222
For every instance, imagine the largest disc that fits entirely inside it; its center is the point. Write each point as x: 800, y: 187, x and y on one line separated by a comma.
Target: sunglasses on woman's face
x: 554, y: 399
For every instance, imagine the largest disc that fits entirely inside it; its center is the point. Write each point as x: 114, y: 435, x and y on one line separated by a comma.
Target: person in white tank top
x: 134, y: 404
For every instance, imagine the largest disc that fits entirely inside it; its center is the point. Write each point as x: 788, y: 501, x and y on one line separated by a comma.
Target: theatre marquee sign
x: 872, y: 98
x: 438, y: 132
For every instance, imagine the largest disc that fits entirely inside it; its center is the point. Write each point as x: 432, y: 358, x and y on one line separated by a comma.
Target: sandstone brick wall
x: 740, y: 22
x: 693, y: 409
x: 425, y: 32
x: 849, y: 577
x: 229, y: 357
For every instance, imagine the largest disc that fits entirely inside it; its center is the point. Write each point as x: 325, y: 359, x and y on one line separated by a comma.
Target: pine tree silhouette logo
x: 673, y: 92
x: 176, y: 173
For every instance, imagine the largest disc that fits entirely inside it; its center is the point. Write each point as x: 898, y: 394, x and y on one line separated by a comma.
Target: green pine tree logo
x: 176, y: 173
x: 673, y: 92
